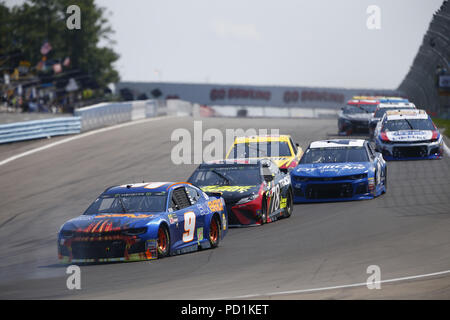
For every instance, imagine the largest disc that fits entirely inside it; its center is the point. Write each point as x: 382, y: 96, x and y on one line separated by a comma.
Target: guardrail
x: 92, y: 117
x: 27, y: 130
x: 106, y: 114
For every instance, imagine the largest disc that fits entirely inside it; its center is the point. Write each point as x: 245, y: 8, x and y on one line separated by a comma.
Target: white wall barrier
x: 106, y: 114
x: 93, y: 117
x: 28, y: 130
x: 265, y: 112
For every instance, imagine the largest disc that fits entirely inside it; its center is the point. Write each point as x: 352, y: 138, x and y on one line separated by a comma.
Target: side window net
x: 180, y: 198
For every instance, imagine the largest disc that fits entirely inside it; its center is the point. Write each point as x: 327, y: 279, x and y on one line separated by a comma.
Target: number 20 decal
x: 189, y: 226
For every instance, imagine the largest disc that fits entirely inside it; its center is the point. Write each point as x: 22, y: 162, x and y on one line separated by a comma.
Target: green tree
x: 36, y: 21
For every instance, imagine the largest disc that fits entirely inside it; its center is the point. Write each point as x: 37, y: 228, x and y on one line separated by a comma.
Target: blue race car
x: 339, y: 170
x: 142, y: 222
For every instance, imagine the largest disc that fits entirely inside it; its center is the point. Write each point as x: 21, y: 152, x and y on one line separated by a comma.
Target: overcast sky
x: 307, y: 43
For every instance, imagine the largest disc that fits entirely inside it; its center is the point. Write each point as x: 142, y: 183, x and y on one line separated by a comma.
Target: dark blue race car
x: 339, y: 170
x: 142, y: 222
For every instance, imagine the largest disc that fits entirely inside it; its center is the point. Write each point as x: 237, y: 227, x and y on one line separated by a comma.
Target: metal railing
x: 106, y: 114
x: 28, y: 130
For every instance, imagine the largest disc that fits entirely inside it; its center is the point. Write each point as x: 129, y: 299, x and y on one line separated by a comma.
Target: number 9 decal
x: 189, y: 226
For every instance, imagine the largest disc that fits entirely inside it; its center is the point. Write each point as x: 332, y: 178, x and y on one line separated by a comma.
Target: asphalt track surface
x: 405, y: 232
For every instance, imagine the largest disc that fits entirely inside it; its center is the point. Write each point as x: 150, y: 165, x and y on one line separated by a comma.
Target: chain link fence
x: 427, y: 83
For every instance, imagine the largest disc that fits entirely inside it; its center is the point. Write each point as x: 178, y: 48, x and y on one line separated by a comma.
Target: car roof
x: 364, y: 101
x: 235, y: 162
x: 406, y: 114
x: 262, y: 138
x: 337, y: 143
x: 144, y: 187
x: 392, y: 100
x: 397, y: 105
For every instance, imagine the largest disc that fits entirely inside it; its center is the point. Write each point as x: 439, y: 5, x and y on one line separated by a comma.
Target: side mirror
x: 268, y: 178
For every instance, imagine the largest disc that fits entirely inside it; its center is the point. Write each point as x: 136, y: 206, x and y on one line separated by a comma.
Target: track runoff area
x: 324, y: 250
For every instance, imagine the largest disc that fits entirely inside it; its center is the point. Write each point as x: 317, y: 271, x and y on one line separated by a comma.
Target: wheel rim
x: 162, y: 240
x: 290, y: 202
x: 264, y: 212
x: 213, y: 232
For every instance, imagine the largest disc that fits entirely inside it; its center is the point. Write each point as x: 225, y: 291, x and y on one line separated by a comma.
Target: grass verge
x: 443, y: 124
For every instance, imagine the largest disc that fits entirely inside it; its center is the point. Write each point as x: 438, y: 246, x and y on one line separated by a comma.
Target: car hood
x: 359, y: 116
x: 409, y: 135
x: 106, y: 222
x: 233, y: 192
x: 331, y: 169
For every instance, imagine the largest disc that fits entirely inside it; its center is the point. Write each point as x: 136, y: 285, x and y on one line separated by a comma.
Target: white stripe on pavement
x: 362, y: 284
x: 79, y: 136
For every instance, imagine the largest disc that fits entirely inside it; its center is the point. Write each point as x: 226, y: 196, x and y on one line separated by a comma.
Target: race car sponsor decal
x: 173, y: 218
x: 215, y: 205
x: 409, y: 135
x: 152, y: 244
x: 283, y: 203
x: 224, y: 221
x: 240, y: 189
x: 332, y: 166
x: 200, y: 234
x: 123, y: 215
x: 285, y: 181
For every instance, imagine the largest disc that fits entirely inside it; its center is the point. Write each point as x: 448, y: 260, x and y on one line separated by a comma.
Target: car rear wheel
x: 263, y: 219
x: 163, y: 242
x: 214, y: 232
x: 289, y: 204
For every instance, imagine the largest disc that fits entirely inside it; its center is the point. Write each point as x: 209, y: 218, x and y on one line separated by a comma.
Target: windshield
x: 408, y: 124
x: 260, y: 149
x: 370, y: 108
x: 125, y: 203
x: 244, y: 175
x: 353, y: 110
x: 335, y: 155
x: 380, y: 112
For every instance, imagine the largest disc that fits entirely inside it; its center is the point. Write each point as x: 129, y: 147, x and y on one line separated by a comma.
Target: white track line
x: 362, y: 284
x: 79, y: 136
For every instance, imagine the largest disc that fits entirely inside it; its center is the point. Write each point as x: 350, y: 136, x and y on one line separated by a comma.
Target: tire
x: 289, y: 205
x: 163, y: 242
x: 385, y: 180
x: 214, y: 232
x: 264, y: 211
